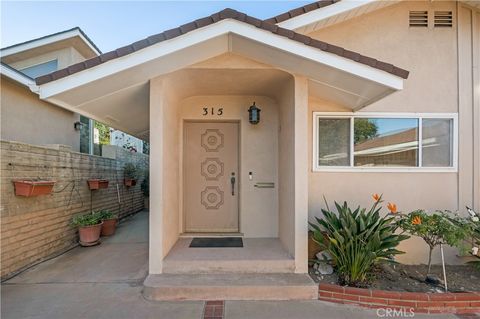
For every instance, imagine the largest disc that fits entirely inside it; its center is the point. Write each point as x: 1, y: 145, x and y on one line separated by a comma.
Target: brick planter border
x: 420, y: 302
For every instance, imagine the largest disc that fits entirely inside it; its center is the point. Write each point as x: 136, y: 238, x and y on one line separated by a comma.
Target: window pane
x: 385, y: 142
x: 333, y: 142
x: 437, y: 142
x: 40, y: 69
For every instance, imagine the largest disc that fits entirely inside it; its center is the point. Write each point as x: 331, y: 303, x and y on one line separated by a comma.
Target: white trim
x: 317, y: 15
x: 18, y: 77
x: 354, y: 169
x: 218, y: 29
x: 46, y: 41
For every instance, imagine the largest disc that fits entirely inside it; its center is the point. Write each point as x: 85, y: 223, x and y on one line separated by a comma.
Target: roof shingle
x: 301, y: 10
x: 224, y: 14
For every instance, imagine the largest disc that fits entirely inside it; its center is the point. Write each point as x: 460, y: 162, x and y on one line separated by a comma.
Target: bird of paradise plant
x: 357, y: 239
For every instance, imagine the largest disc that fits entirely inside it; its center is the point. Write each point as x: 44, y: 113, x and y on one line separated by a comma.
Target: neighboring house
x: 26, y: 118
x: 213, y: 172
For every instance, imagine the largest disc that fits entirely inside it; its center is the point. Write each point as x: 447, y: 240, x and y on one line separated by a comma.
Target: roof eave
x: 49, y: 39
x: 18, y: 77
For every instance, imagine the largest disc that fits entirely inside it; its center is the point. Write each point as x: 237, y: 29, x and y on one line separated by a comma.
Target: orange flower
x: 416, y: 220
x: 376, y: 197
x: 392, y: 208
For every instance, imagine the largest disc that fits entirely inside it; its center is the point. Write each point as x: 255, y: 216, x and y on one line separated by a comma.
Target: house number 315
x: 212, y: 111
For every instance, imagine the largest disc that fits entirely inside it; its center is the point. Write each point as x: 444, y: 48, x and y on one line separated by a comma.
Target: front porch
x: 258, y: 255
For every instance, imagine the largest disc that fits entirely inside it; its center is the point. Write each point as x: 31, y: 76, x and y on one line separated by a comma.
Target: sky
x: 113, y: 24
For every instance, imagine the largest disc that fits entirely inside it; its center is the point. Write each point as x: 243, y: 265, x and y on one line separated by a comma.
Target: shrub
x: 130, y: 171
x: 106, y: 214
x: 357, y: 240
x: 145, y: 186
x: 86, y: 220
x: 435, y: 229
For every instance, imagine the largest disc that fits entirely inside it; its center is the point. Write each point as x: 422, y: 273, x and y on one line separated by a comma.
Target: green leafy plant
x: 86, y: 220
x: 438, y: 228
x: 130, y: 171
x: 106, y: 214
x: 145, y: 186
x: 357, y: 240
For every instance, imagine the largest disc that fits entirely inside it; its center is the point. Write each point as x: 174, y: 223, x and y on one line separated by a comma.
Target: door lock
x: 232, y: 181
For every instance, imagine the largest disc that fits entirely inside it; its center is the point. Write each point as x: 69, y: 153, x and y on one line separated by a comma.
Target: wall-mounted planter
x: 29, y: 188
x: 94, y: 184
x: 129, y: 182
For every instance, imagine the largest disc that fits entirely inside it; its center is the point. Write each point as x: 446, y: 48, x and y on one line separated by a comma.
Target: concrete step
x: 259, y: 255
x: 230, y: 287
x: 228, y: 266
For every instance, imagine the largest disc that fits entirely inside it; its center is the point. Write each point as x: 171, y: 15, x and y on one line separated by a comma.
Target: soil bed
x: 398, y: 277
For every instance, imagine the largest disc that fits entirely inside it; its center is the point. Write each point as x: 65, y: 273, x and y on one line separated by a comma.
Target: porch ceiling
x: 116, y: 92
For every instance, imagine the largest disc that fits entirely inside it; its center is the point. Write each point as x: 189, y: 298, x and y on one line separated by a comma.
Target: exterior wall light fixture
x: 254, y: 114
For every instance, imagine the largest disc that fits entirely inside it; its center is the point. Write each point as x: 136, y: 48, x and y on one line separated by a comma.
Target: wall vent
x: 443, y: 19
x: 418, y: 18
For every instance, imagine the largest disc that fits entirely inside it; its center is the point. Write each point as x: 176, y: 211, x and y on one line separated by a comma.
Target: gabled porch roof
x: 113, y: 85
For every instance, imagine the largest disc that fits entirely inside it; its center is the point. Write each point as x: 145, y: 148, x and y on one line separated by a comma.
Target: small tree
x: 435, y: 229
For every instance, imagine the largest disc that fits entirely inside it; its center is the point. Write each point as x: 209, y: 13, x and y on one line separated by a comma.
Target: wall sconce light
x: 78, y: 125
x: 254, y: 114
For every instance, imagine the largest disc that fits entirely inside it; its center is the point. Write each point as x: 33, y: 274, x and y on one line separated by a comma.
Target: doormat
x: 206, y: 242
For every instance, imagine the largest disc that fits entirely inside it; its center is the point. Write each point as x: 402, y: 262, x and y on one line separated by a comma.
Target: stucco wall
x: 287, y: 167
x: 65, y: 58
x: 431, y: 56
x: 25, y: 118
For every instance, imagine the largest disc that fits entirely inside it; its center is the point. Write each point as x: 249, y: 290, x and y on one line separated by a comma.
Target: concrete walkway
x: 106, y: 282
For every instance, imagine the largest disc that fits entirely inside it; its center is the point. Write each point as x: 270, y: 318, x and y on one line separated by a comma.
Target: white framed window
x: 40, y: 69
x: 385, y: 142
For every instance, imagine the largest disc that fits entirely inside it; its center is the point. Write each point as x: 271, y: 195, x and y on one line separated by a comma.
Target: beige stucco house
x: 24, y: 117
x: 356, y: 97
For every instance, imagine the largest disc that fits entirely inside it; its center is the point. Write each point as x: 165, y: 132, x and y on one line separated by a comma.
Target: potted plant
x: 145, y: 186
x: 110, y: 221
x: 89, y: 228
x: 130, y: 174
x: 96, y: 183
x: 30, y: 188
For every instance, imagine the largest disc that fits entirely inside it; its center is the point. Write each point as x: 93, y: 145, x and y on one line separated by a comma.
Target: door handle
x: 232, y: 182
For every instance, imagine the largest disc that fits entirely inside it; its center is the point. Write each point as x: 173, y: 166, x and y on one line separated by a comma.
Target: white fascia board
x: 322, y: 13
x: 46, y: 41
x: 215, y: 30
x: 18, y: 77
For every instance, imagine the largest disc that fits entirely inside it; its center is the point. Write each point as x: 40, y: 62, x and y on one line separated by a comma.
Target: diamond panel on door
x: 212, y: 197
x: 212, y: 168
x: 212, y: 140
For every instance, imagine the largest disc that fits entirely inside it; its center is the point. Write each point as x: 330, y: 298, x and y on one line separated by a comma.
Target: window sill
x: 385, y: 170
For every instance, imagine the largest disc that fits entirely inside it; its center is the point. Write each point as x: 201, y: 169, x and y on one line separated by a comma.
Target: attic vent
x: 443, y: 19
x: 418, y: 19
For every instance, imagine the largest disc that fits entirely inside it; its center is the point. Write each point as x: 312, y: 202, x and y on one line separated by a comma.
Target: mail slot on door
x: 265, y: 185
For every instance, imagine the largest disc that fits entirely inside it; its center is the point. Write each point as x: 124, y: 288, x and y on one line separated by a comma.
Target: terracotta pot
x: 130, y: 182
x: 90, y: 235
x: 94, y: 184
x: 32, y: 188
x: 109, y: 226
x: 103, y: 183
